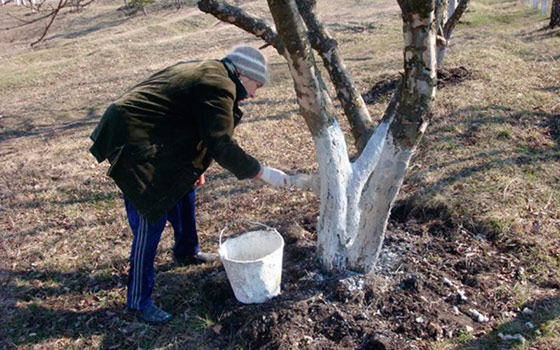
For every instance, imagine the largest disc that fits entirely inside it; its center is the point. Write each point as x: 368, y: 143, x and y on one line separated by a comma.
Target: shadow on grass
x: 541, y: 34
x: 477, y: 127
x: 551, y: 88
x: 28, y: 130
x: 530, y: 325
x: 78, y: 196
x: 95, y: 28
x: 268, y: 102
x: 100, y: 20
x: 48, y: 283
x: 34, y: 312
x: 73, y: 307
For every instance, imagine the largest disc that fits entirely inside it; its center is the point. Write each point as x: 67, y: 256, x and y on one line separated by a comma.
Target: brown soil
x: 445, y: 77
x: 424, y: 288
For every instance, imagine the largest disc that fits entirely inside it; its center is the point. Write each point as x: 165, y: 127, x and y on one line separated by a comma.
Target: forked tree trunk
x: 555, y: 14
x: 356, y: 197
x: 447, y: 25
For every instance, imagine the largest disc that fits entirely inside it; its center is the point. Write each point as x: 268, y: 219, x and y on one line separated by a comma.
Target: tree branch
x: 25, y: 22
x: 452, y: 22
x: 61, y: 4
x: 327, y: 47
x: 420, y: 72
x: 243, y: 20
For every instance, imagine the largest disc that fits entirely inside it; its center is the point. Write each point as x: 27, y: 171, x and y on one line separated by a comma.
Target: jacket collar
x: 239, y: 88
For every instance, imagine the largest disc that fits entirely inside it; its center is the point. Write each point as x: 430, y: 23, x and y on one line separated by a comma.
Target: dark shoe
x: 199, y: 258
x: 154, y: 315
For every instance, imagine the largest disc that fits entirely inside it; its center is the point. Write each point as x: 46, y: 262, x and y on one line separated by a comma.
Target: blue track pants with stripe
x: 144, y: 246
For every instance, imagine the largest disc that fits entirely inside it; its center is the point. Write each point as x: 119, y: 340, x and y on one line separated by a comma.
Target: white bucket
x: 253, y: 263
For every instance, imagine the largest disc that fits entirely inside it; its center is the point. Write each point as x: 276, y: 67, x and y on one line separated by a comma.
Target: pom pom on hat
x: 250, y: 62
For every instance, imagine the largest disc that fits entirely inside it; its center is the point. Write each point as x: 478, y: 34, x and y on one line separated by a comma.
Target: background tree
x: 356, y: 196
x: 555, y: 14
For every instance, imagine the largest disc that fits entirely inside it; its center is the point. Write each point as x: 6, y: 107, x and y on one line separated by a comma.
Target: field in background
x: 485, y: 180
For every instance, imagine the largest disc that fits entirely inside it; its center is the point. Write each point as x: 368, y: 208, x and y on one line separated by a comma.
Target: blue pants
x: 144, y: 246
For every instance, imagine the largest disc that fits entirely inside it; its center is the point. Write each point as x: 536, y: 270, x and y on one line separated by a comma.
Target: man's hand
x: 274, y: 177
x: 200, y: 182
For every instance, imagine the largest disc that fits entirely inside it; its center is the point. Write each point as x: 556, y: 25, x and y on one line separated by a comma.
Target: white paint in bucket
x: 253, y: 264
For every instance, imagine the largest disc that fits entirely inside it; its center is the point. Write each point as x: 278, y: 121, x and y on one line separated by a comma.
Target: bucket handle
x: 247, y: 222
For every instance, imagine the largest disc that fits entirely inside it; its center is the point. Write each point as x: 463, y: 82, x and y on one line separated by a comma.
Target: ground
x: 472, y: 248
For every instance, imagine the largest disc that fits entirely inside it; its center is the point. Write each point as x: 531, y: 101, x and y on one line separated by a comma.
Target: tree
x: 356, y: 196
x: 555, y: 14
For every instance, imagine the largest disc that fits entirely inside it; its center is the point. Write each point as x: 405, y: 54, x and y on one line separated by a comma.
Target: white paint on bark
x: 361, y: 170
x: 376, y: 199
x: 335, y: 171
x: 354, y: 203
x: 369, y: 158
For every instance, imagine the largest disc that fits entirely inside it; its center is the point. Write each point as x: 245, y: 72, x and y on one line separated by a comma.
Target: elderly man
x: 160, y: 137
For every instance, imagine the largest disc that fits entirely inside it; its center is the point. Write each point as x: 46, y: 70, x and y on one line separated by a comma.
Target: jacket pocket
x: 114, y: 158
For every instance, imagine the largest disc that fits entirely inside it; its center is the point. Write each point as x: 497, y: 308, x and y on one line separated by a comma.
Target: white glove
x: 275, y: 177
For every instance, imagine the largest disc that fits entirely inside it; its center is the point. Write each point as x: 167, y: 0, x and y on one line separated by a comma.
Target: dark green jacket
x: 161, y: 135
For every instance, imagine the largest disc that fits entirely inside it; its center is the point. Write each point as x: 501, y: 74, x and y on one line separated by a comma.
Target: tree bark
x: 241, y: 19
x: 447, y: 30
x: 349, y: 97
x: 354, y: 213
x: 408, y: 115
x: 555, y: 15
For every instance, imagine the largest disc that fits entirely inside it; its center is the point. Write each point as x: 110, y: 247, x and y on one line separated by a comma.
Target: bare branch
x: 240, y: 18
x: 25, y: 22
x: 60, y: 6
x: 452, y: 22
x: 50, y: 14
x: 327, y: 47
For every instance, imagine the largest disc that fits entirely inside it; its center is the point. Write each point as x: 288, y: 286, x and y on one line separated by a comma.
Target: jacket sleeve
x: 215, y: 123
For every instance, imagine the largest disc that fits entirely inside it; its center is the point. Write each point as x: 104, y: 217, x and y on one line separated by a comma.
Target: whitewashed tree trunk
x: 356, y: 197
x: 536, y: 4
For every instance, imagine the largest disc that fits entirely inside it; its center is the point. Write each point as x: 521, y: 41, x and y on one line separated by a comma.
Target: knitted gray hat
x: 250, y: 62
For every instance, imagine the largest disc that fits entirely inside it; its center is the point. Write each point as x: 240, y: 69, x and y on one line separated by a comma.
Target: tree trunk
x: 444, y: 36
x: 555, y: 14
x: 356, y: 198
x: 408, y: 116
x: 544, y: 7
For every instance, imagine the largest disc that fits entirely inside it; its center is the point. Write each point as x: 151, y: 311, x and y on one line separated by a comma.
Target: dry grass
x: 491, y: 156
